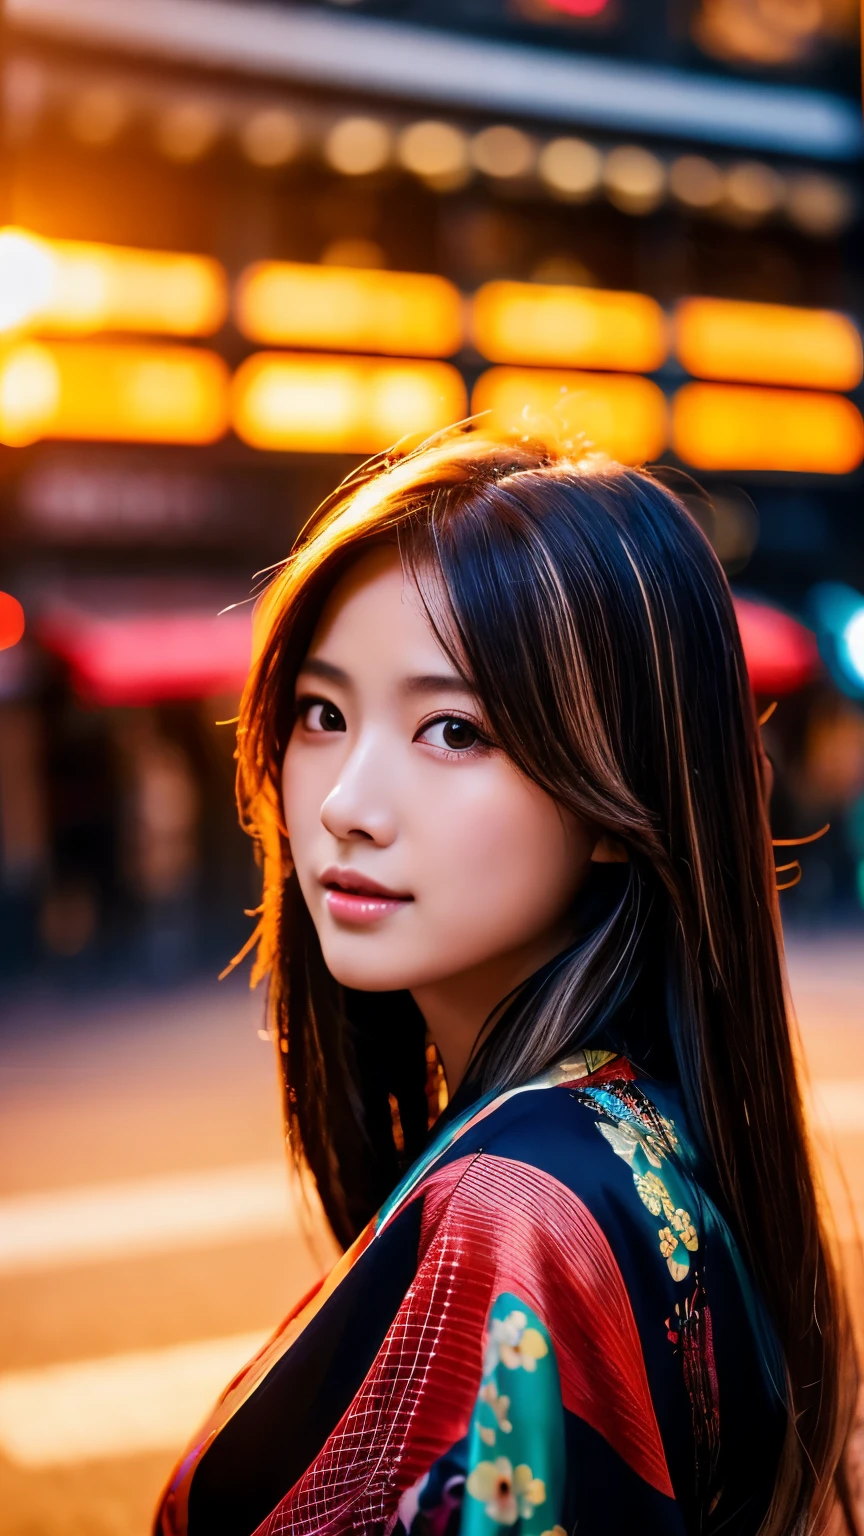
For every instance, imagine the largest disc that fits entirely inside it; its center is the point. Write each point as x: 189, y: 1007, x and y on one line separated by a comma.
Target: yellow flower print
x: 513, y: 1343
x: 685, y: 1229
x: 500, y: 1405
x: 486, y: 1434
x: 668, y: 1241
x: 648, y: 1191
x: 557, y: 1530
x: 654, y: 1194
x: 531, y: 1347
x: 668, y: 1248
x: 504, y: 1491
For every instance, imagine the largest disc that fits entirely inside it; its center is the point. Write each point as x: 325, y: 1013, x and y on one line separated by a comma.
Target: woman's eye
x: 452, y: 734
x: 319, y: 715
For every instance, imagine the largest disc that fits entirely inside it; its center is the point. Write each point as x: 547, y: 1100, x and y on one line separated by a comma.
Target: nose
x: 360, y: 804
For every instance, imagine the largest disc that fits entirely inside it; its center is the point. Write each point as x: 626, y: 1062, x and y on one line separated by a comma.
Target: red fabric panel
x: 489, y: 1225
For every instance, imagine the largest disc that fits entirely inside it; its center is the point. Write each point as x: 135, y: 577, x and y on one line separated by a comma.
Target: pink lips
x: 355, y: 898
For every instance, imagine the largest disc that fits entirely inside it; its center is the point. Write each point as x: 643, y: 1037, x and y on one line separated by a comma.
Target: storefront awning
x: 147, y: 658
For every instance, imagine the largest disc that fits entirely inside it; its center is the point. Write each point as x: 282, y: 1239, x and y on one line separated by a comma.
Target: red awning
x: 144, y: 657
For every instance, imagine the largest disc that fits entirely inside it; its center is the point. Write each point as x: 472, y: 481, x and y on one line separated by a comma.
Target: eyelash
x: 480, y: 747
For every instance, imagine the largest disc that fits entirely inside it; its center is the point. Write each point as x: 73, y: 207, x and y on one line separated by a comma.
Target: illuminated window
x: 768, y: 343
x: 726, y: 426
x: 81, y: 287
x: 122, y: 393
x: 341, y: 404
x: 619, y: 415
x: 412, y: 313
x: 579, y: 327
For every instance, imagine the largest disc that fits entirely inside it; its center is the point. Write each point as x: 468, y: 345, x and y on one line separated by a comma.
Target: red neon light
x: 578, y: 8
x: 11, y: 620
x: 781, y: 654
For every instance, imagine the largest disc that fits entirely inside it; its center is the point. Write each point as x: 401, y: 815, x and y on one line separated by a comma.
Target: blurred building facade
x: 246, y: 245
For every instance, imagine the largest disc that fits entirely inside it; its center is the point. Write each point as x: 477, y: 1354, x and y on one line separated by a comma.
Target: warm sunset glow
x: 75, y: 286
x: 621, y: 416
x: 353, y: 308
x: 768, y: 343
x: 341, y: 404
x: 724, y: 426
x: 122, y: 393
x: 579, y: 327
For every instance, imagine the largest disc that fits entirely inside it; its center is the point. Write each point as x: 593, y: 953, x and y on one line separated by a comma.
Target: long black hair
x: 596, y: 626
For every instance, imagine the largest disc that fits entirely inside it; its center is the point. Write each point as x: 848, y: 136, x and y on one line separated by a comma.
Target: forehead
x: 376, y: 607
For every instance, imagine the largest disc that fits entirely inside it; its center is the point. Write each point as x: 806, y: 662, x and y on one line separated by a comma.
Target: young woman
x: 499, y: 752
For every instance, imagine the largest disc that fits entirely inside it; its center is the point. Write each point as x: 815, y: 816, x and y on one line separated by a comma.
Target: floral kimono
x: 547, y: 1329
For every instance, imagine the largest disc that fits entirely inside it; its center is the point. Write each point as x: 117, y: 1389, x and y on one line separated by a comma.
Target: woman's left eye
x: 453, y: 735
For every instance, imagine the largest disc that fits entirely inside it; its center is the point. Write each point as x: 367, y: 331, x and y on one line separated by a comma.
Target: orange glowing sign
x: 616, y: 414
x: 768, y: 343
x: 573, y: 327
x: 123, y: 393
x: 727, y: 426
x: 354, y: 309
x: 303, y: 403
x: 79, y: 287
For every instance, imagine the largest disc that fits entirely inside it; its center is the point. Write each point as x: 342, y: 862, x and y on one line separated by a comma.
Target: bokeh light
x: 11, y: 620
x: 436, y: 152
x: 768, y: 343
x: 270, y: 137
x: 616, y: 414
x: 695, y: 181
x: 120, y: 392
x: 79, y: 286
x: 502, y: 152
x: 571, y: 168
x: 289, y: 303
x: 552, y: 323
x: 341, y: 404
x: 725, y: 426
x: 635, y: 179
x: 357, y: 146
x: 186, y: 131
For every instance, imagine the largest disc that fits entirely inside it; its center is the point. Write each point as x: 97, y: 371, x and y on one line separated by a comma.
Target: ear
x: 609, y: 850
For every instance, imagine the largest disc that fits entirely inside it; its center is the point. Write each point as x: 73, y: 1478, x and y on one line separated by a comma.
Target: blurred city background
x: 242, y: 247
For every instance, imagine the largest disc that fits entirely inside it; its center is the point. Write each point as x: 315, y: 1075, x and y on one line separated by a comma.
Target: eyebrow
x: 428, y: 682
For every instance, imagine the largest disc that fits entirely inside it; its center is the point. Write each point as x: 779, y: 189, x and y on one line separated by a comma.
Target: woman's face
x: 388, y: 779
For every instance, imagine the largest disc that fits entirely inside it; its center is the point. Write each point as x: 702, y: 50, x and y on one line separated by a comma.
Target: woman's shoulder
x: 584, y: 1200
x: 595, y: 1127
x: 588, y: 1154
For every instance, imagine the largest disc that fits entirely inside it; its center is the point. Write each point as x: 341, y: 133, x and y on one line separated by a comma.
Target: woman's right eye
x: 319, y: 715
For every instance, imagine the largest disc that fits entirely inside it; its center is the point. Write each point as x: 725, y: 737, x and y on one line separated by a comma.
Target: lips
x: 357, y: 900
x: 353, y: 883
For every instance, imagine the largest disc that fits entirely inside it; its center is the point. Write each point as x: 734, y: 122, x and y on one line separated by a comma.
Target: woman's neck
x: 455, y: 1010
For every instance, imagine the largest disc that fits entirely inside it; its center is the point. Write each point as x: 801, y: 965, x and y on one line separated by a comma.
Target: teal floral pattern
x: 648, y: 1142
x: 515, y: 1461
x: 639, y: 1134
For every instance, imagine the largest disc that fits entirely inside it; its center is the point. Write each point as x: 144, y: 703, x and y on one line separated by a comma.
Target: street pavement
x: 150, y: 1235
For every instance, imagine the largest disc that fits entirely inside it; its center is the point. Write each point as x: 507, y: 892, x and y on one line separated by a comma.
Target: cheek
x: 505, y: 862
x: 303, y: 793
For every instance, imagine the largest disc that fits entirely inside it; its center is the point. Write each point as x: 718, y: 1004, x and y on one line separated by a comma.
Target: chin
x: 368, y: 974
